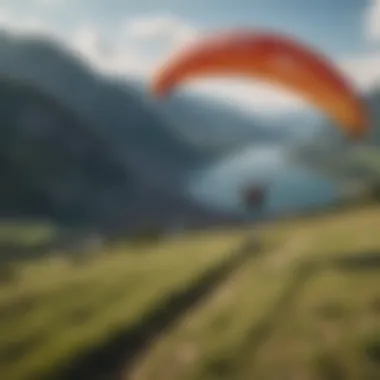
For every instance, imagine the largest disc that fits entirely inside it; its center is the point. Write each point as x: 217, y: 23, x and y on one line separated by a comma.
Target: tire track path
x: 278, y: 259
x: 112, y: 360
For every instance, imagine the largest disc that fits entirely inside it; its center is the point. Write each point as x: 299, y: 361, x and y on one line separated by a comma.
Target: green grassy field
x: 56, y: 309
x: 277, y: 319
x: 294, y: 312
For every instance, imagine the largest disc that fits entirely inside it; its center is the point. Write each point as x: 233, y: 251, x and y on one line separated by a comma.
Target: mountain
x: 116, y: 111
x: 339, y: 157
x: 87, y: 147
x: 373, y: 101
x: 52, y: 164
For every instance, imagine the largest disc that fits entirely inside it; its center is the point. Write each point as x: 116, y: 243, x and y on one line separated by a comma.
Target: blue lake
x: 291, y: 188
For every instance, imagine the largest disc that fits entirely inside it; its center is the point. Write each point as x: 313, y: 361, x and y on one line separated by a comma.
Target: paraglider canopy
x: 281, y: 60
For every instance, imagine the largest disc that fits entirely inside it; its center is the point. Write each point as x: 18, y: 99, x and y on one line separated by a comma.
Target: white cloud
x: 372, y: 20
x: 89, y: 43
x: 23, y: 24
x: 120, y: 59
x: 164, y: 28
x: 48, y: 3
x: 141, y: 44
x: 363, y: 70
x: 152, y: 38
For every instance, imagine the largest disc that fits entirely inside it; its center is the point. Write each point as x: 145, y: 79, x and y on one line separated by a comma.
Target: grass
x: 275, y: 320
x: 26, y: 233
x: 282, y: 315
x: 57, y: 309
x: 215, y: 331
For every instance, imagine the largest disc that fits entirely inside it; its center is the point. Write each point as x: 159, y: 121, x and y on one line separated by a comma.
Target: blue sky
x: 131, y: 37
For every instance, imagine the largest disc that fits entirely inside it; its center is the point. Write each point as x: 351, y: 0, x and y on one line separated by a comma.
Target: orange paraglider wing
x: 277, y: 59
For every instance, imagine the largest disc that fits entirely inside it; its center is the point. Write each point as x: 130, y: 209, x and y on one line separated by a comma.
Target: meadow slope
x: 304, y: 304
x: 54, y: 309
x: 307, y: 309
